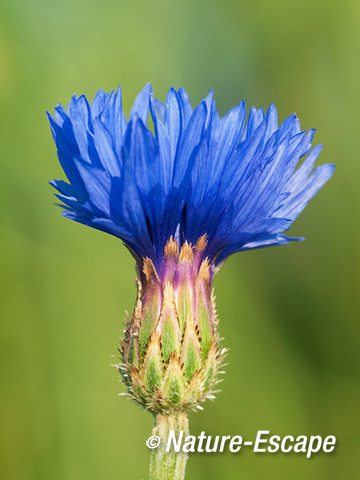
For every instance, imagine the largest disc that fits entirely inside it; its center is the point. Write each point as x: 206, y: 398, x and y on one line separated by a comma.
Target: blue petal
x: 113, y: 118
x: 185, y: 105
x: 140, y: 106
x: 173, y: 121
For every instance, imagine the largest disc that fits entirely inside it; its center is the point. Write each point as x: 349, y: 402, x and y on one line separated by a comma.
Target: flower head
x: 199, y: 174
x: 183, y: 198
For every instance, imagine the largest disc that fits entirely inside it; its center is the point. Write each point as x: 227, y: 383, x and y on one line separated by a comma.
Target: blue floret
x: 238, y: 182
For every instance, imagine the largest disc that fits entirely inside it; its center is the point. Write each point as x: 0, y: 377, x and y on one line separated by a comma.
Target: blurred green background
x: 290, y: 315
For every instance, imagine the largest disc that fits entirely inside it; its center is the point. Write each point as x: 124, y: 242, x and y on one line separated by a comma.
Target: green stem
x: 168, y: 465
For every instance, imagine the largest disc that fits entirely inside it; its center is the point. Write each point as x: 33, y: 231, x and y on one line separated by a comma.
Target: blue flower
x: 234, y: 180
